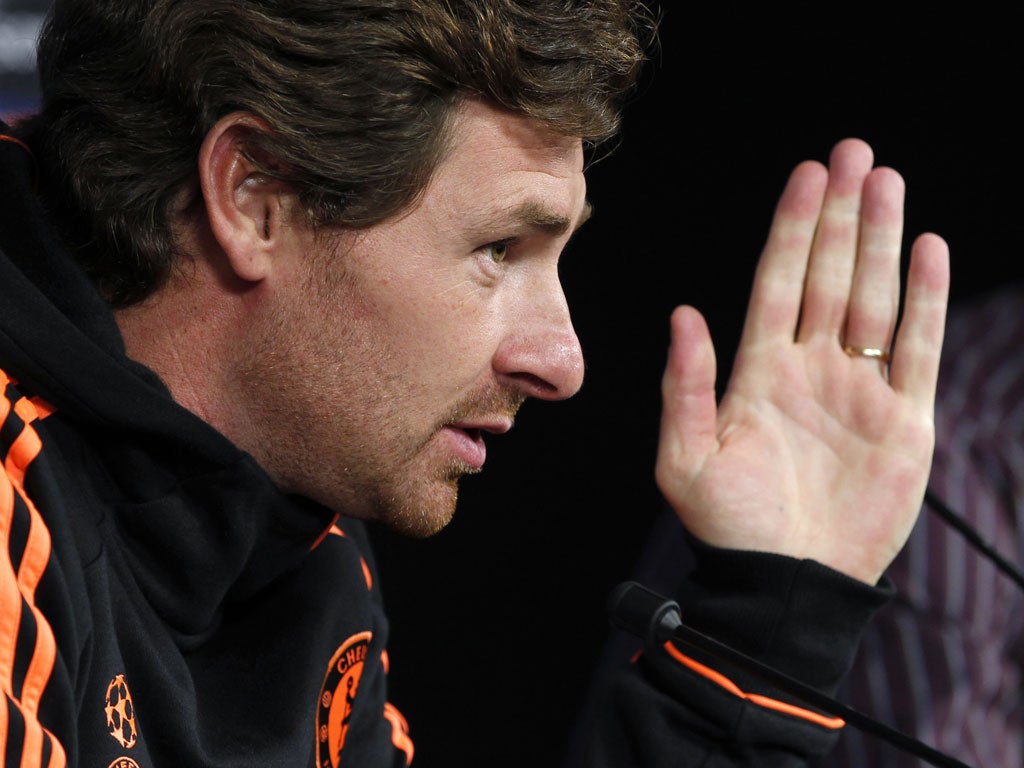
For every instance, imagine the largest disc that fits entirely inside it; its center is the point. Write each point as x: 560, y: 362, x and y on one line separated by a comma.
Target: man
x: 273, y: 269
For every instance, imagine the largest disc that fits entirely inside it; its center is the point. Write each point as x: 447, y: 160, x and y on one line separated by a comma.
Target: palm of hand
x: 812, y: 453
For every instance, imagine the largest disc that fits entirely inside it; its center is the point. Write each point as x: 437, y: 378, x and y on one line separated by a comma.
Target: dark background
x: 499, y: 620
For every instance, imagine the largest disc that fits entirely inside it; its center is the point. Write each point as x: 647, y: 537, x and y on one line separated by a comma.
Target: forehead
x: 498, y: 160
x: 479, y: 128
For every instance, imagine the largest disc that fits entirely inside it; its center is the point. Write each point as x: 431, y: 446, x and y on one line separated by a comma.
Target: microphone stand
x: 656, y: 619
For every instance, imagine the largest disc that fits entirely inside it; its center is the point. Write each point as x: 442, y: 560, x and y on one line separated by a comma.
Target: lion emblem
x: 337, y: 696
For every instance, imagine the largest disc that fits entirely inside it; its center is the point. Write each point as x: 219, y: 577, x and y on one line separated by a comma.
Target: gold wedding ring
x: 871, y: 352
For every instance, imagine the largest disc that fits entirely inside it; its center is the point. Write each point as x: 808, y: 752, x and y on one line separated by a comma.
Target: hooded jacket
x: 162, y: 603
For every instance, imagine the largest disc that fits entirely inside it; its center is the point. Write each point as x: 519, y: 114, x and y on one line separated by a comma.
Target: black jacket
x: 163, y: 604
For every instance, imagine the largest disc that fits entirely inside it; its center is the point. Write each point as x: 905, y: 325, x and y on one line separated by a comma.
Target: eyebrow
x: 538, y: 216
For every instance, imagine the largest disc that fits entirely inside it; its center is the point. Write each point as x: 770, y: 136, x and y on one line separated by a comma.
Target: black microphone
x: 648, y: 615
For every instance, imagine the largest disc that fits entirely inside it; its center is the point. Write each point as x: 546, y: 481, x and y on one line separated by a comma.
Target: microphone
x: 657, y: 620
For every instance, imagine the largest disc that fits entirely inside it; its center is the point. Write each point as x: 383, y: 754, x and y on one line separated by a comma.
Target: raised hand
x: 822, y: 443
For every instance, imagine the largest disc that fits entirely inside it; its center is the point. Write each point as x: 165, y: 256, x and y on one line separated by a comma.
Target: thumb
x: 689, y: 409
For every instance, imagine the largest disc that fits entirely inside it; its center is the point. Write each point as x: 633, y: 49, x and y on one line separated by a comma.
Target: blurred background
x: 499, y: 620
x: 19, y: 27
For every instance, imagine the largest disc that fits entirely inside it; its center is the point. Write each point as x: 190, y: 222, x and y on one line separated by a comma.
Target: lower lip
x: 466, y: 447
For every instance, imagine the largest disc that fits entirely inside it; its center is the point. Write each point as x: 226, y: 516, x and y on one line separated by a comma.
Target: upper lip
x: 497, y: 425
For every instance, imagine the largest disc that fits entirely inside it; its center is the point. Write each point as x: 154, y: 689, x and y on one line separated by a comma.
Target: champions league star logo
x: 121, y: 713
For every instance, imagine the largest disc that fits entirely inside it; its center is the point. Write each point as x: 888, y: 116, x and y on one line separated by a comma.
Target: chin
x: 422, y: 515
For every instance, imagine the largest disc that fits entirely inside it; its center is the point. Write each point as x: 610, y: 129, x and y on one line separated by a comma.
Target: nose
x: 541, y: 354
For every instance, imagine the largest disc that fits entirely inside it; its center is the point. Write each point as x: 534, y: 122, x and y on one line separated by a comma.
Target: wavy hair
x: 357, y: 96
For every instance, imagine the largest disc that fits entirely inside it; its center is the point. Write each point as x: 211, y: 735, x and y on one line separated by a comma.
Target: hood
x: 200, y: 522
x: 58, y: 336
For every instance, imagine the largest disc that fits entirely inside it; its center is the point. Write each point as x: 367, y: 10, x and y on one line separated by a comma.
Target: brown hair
x: 357, y: 95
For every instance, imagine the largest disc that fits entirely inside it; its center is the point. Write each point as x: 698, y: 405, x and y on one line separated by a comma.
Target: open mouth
x: 468, y: 445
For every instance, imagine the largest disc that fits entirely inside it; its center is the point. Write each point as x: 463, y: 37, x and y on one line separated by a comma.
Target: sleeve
x: 674, y: 706
x: 28, y: 653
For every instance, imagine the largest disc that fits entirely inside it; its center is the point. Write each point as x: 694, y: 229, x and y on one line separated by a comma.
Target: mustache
x: 488, y: 402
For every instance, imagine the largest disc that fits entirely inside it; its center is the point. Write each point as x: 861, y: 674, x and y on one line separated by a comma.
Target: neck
x: 189, y: 333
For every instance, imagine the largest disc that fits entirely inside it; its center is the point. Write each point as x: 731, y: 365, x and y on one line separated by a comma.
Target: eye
x: 497, y: 251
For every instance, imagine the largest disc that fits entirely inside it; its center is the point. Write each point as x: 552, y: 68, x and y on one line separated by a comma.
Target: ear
x: 254, y: 218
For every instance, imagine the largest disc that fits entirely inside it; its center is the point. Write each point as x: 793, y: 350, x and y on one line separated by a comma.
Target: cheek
x: 450, y: 342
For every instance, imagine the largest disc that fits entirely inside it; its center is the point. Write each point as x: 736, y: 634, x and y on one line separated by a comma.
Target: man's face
x: 396, y: 349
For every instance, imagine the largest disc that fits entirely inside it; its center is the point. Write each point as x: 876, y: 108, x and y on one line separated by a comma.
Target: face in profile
x: 400, y: 349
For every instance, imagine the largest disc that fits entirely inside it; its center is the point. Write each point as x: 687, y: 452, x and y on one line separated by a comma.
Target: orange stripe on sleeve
x: 22, y: 452
x: 33, y: 562
x: 35, y: 740
x: 37, y: 550
x: 10, y: 594
x: 41, y: 666
x: 31, y: 409
x: 19, y: 589
x: 43, y: 408
x: 32, y: 746
x: 58, y: 759
x: 833, y: 723
x: 20, y: 455
x: 399, y: 731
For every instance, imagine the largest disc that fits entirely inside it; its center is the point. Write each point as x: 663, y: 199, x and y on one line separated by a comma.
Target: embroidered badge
x: 123, y: 762
x: 337, y: 695
x: 121, y: 713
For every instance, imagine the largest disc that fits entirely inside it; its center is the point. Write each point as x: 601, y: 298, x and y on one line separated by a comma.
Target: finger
x: 777, y: 291
x: 874, y: 296
x: 689, y: 409
x: 915, y: 362
x: 833, y: 254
